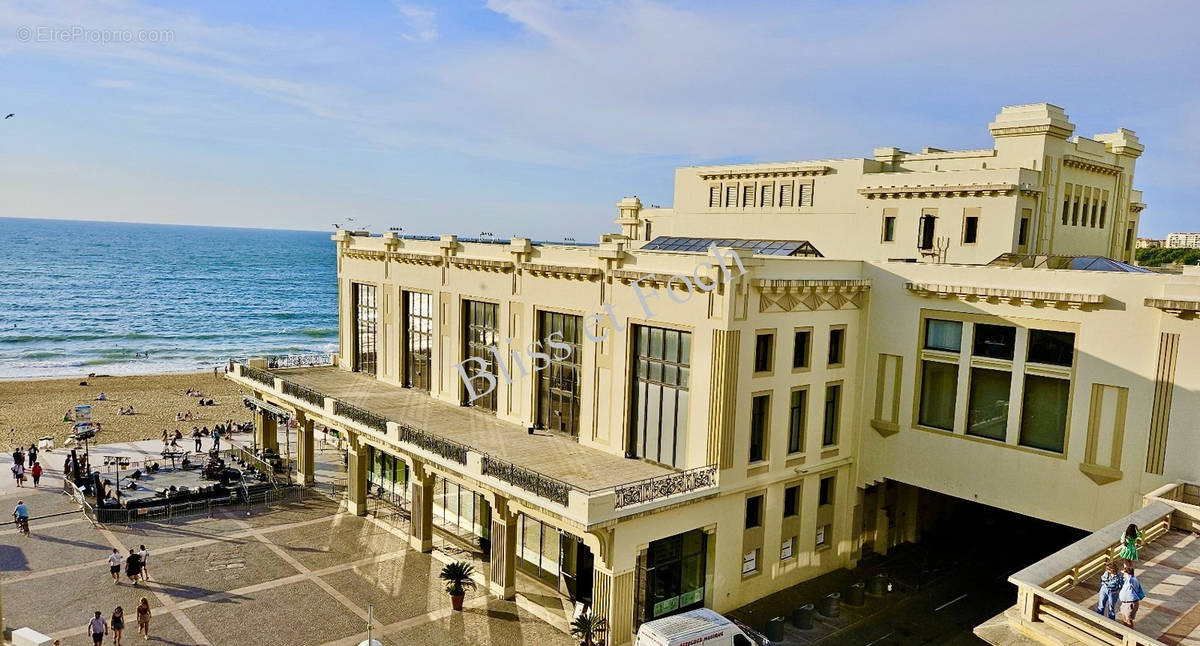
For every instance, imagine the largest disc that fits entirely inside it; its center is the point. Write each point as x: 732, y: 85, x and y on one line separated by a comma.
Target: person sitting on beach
x: 101, y: 397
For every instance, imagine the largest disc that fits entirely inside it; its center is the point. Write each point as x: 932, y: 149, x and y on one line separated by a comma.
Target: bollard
x: 877, y: 585
x: 802, y: 617
x: 854, y: 594
x: 830, y: 604
x: 775, y: 629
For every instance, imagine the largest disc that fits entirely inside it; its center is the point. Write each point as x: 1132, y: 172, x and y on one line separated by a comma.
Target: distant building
x: 1148, y: 243
x: 1183, y: 240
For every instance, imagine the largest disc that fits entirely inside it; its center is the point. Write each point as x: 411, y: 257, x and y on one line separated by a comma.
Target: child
x: 1110, y: 584
x: 1129, y: 551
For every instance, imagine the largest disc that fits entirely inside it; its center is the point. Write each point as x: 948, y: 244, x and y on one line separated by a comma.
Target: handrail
x: 261, y: 376
x: 313, y: 359
x: 361, y: 415
x: 303, y: 393
x: 656, y: 487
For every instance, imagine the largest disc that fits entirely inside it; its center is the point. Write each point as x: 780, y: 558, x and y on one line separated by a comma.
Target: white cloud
x: 422, y: 23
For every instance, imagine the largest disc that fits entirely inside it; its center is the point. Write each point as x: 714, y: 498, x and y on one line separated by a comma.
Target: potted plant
x: 589, y: 629
x: 458, y: 580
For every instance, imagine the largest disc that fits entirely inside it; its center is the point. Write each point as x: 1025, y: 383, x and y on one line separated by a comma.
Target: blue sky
x: 534, y: 118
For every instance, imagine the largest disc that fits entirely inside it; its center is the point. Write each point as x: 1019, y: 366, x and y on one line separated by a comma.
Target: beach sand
x: 35, y: 407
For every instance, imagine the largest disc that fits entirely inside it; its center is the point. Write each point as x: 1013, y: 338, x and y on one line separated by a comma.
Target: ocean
x: 79, y: 297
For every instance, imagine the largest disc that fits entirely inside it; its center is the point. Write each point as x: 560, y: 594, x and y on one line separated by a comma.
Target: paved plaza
x: 300, y: 574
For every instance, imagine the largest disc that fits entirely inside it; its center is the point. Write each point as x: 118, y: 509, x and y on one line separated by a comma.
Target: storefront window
x: 674, y: 570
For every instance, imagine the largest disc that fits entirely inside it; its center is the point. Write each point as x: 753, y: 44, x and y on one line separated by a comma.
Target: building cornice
x: 948, y: 190
x: 975, y: 293
x: 1137, y: 207
x: 415, y: 258
x: 561, y: 271
x: 754, y: 173
x: 1184, y: 309
x: 364, y: 254
x: 1092, y: 165
x: 482, y: 264
x: 800, y: 294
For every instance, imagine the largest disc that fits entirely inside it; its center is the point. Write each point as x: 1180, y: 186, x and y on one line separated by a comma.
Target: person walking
x: 18, y: 471
x: 97, y: 628
x: 1129, y: 551
x: 1131, y: 596
x: 36, y: 472
x: 19, y: 456
x: 1110, y: 586
x: 216, y: 443
x: 114, y: 566
x: 143, y: 556
x: 143, y: 617
x: 133, y: 566
x: 32, y: 453
x: 118, y: 624
x: 196, y: 438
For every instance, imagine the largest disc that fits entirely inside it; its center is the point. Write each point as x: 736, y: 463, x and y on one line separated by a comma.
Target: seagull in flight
x: 10, y: 115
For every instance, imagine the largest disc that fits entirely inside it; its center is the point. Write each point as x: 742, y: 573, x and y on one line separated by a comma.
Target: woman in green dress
x: 1129, y: 551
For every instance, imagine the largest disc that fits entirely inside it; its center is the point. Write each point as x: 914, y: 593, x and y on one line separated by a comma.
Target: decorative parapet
x: 659, y: 487
x: 303, y: 393
x: 973, y: 293
x: 415, y: 258
x: 1091, y: 165
x: 948, y: 190
x: 1184, y: 309
x: 531, y: 481
x: 317, y: 359
x: 261, y: 376
x: 774, y: 171
x: 353, y: 413
x: 793, y: 295
x: 452, y: 451
x: 562, y: 271
x: 364, y: 254
x: 482, y: 264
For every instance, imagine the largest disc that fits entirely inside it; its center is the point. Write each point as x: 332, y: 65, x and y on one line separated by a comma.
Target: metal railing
x: 664, y: 486
x: 261, y: 376
x: 361, y: 415
x: 527, y: 479
x: 311, y: 360
x: 437, y: 445
x: 303, y: 393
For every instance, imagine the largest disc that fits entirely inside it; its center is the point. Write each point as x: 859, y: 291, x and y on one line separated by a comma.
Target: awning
x: 256, y: 404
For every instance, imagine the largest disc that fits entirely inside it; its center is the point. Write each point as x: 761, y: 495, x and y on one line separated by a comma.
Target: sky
x: 518, y: 117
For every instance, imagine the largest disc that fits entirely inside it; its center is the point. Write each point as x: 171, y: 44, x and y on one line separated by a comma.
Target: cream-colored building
x: 1183, y: 241
x: 760, y: 384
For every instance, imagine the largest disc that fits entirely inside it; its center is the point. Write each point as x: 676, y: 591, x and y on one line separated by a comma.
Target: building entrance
x: 671, y: 576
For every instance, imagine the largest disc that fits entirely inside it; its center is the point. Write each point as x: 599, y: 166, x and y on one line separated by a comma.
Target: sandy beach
x: 34, y: 408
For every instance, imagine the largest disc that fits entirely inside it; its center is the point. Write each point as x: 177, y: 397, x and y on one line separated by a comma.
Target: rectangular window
x: 1066, y: 212
x: 994, y: 341
x: 750, y: 562
x: 1023, y: 232
x: 760, y: 410
x: 928, y: 230
x: 1128, y: 239
x: 714, y: 196
x: 660, y: 394
x: 825, y: 491
x: 731, y: 196
x: 800, y: 347
x: 939, y: 390
x: 971, y: 228
x: 833, y: 410
x: 764, y: 350
x: 943, y: 335
x: 366, y: 318
x: 1075, y: 210
x: 796, y: 420
x: 889, y: 228
x: 786, y: 547
x: 785, y: 194
x: 1044, y: 413
x: 747, y: 195
x: 558, y: 381
x: 1050, y: 347
x: 791, y: 501
x: 481, y: 329
x: 987, y: 407
x: 418, y: 339
x: 837, y: 345
x: 806, y: 194
x: 754, y: 505
x: 823, y: 533
x: 768, y: 195
x: 1095, y: 213
x: 1103, y: 212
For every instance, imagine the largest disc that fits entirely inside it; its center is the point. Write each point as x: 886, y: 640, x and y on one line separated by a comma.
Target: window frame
x: 763, y: 432
x: 807, y: 331
x: 839, y: 407
x: 770, y: 352
x: 802, y: 431
x: 759, y: 507
x: 842, y: 331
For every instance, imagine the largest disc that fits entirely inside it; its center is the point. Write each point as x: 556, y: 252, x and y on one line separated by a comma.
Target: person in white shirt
x: 97, y: 628
x: 143, y: 553
x: 114, y: 566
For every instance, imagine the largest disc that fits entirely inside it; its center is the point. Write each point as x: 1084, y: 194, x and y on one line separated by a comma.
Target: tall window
x: 1044, y: 413
x: 837, y: 345
x: 833, y: 410
x: 791, y: 501
x: 760, y: 411
x: 926, y: 238
x: 754, y: 508
x: 366, y: 318
x: 558, y: 383
x: 889, y: 228
x: 796, y: 420
x: 987, y: 405
x: 481, y: 332
x: 1023, y: 232
x: 825, y: 491
x: 800, y: 348
x: 971, y: 229
x: 660, y: 394
x: 764, y: 349
x: 418, y: 339
x: 939, y: 389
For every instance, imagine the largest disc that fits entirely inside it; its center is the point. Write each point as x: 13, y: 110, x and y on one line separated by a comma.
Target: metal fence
x: 199, y: 508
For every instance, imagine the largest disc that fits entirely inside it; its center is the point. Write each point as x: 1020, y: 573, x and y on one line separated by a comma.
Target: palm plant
x: 589, y: 628
x: 458, y: 580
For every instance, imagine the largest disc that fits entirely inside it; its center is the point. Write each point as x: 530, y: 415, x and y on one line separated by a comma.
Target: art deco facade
x: 700, y: 441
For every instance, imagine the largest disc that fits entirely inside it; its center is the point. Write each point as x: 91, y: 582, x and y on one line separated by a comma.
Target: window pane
x: 836, y: 342
x: 994, y: 341
x: 939, y: 389
x: 1044, y: 413
x: 758, y: 427
x: 762, y: 352
x: 800, y: 350
x: 1056, y: 348
x: 987, y: 410
x: 753, y: 511
x: 833, y: 396
x: 796, y: 421
x: 943, y: 335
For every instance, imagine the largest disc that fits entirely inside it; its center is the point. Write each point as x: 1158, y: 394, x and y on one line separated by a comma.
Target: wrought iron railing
x: 261, y: 376
x: 531, y: 481
x: 446, y: 448
x: 650, y: 489
x: 303, y: 393
x: 300, y: 360
x: 362, y: 416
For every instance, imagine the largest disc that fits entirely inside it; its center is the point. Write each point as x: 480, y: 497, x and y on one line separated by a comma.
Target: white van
x: 700, y: 627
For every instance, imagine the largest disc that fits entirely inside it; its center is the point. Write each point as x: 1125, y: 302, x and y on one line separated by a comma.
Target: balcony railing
x: 651, y: 489
x: 303, y: 393
x: 261, y: 376
x: 527, y: 479
x: 448, y: 449
x: 362, y: 416
x: 280, y: 361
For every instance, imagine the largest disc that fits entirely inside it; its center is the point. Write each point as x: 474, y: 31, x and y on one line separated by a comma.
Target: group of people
x: 22, y: 457
x: 98, y: 627
x: 126, y: 411
x: 1119, y: 587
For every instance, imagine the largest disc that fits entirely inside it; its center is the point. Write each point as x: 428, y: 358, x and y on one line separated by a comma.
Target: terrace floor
x: 1170, y: 575
x: 546, y: 452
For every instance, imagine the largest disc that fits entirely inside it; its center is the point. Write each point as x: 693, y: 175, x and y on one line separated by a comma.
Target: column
x: 504, y: 551
x: 422, y: 508
x: 305, y: 469
x: 266, y: 431
x: 356, y: 477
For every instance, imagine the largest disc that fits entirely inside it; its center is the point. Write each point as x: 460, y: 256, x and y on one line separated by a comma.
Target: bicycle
x: 22, y: 524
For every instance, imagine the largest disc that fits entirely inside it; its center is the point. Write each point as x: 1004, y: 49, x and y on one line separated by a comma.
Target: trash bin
x: 830, y: 604
x: 854, y: 594
x: 877, y: 585
x: 802, y: 617
x: 775, y: 629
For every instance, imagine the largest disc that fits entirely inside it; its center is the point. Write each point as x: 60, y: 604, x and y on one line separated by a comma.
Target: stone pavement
x: 298, y: 575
